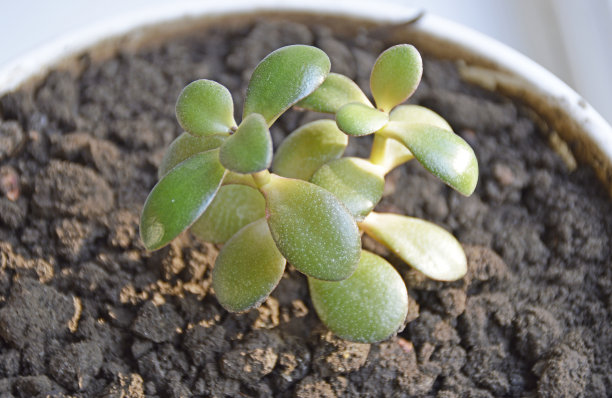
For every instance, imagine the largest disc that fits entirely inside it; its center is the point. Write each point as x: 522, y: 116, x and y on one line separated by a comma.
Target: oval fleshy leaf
x: 395, y: 76
x: 205, y: 107
x: 308, y: 148
x: 311, y: 228
x: 368, y: 307
x: 359, y: 119
x: 249, y: 149
x: 356, y: 182
x: 186, y: 145
x: 179, y: 198
x: 418, y: 114
x: 248, y: 268
x: 337, y: 90
x: 233, y: 207
x: 390, y: 153
x: 421, y: 244
x: 442, y: 152
x: 284, y: 77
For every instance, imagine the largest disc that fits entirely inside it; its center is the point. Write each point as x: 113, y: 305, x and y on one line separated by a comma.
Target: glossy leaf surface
x: 337, y: 90
x: 186, y: 145
x: 390, y: 153
x: 205, y: 107
x: 179, y: 198
x: 359, y: 119
x: 421, y: 244
x: 356, y: 182
x: 311, y: 228
x: 248, y: 268
x: 418, y: 114
x: 284, y: 77
x: 308, y: 148
x: 395, y: 76
x: 370, y: 306
x: 249, y: 149
x: 442, y: 152
x: 233, y: 207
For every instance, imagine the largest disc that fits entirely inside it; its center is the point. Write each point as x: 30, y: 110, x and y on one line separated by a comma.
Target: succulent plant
x: 312, y: 209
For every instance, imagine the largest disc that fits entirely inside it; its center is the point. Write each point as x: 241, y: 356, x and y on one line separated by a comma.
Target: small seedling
x: 313, y: 207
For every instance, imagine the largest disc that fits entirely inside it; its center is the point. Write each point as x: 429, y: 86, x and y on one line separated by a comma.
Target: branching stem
x: 388, y: 153
x: 261, y: 178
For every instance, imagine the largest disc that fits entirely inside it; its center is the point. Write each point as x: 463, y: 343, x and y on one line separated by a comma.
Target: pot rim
x: 486, y: 61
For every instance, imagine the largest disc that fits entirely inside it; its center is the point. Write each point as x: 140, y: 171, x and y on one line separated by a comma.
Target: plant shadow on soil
x: 86, y: 311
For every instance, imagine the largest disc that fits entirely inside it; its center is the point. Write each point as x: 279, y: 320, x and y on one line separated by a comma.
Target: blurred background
x: 571, y: 38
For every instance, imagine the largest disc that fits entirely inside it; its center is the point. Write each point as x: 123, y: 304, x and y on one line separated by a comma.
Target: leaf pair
x: 371, y: 304
x: 313, y: 152
x: 280, y: 80
x: 283, y: 78
x: 401, y: 131
x: 395, y: 76
x: 189, y: 180
x: 205, y: 109
x: 305, y: 225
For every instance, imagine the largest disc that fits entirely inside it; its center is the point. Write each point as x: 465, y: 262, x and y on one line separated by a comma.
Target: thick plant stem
x: 388, y: 153
x: 261, y: 178
x: 377, y: 153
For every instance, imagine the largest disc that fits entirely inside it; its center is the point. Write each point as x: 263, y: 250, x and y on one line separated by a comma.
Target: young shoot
x: 312, y: 208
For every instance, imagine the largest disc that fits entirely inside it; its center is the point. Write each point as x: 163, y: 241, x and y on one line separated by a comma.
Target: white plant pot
x: 485, y: 61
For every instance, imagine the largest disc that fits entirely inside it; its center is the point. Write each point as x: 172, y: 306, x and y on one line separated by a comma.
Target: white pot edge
x: 41, y: 59
x: 546, y: 85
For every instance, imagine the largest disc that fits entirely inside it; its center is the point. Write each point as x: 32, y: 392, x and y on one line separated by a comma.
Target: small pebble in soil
x: 74, y: 366
x: 9, y: 183
x: 157, y: 323
x: 252, y: 358
x: 12, y: 139
x: 333, y: 355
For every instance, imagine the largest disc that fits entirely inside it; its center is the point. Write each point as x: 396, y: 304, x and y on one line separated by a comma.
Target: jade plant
x: 311, y: 210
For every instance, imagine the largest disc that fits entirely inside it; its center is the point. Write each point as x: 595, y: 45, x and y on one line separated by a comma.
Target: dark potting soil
x: 86, y: 311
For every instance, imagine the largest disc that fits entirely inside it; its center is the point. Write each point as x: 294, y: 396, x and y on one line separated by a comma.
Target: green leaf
x: 308, y: 148
x: 337, y: 90
x: 395, y: 76
x: 179, y: 198
x: 311, y: 228
x: 185, y: 146
x: 249, y: 149
x: 442, y: 152
x: 248, y: 268
x: 205, y: 107
x: 233, y: 207
x: 368, y: 307
x: 359, y: 119
x: 356, y: 182
x: 283, y: 78
x: 421, y: 244
x: 418, y: 114
x: 390, y: 153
